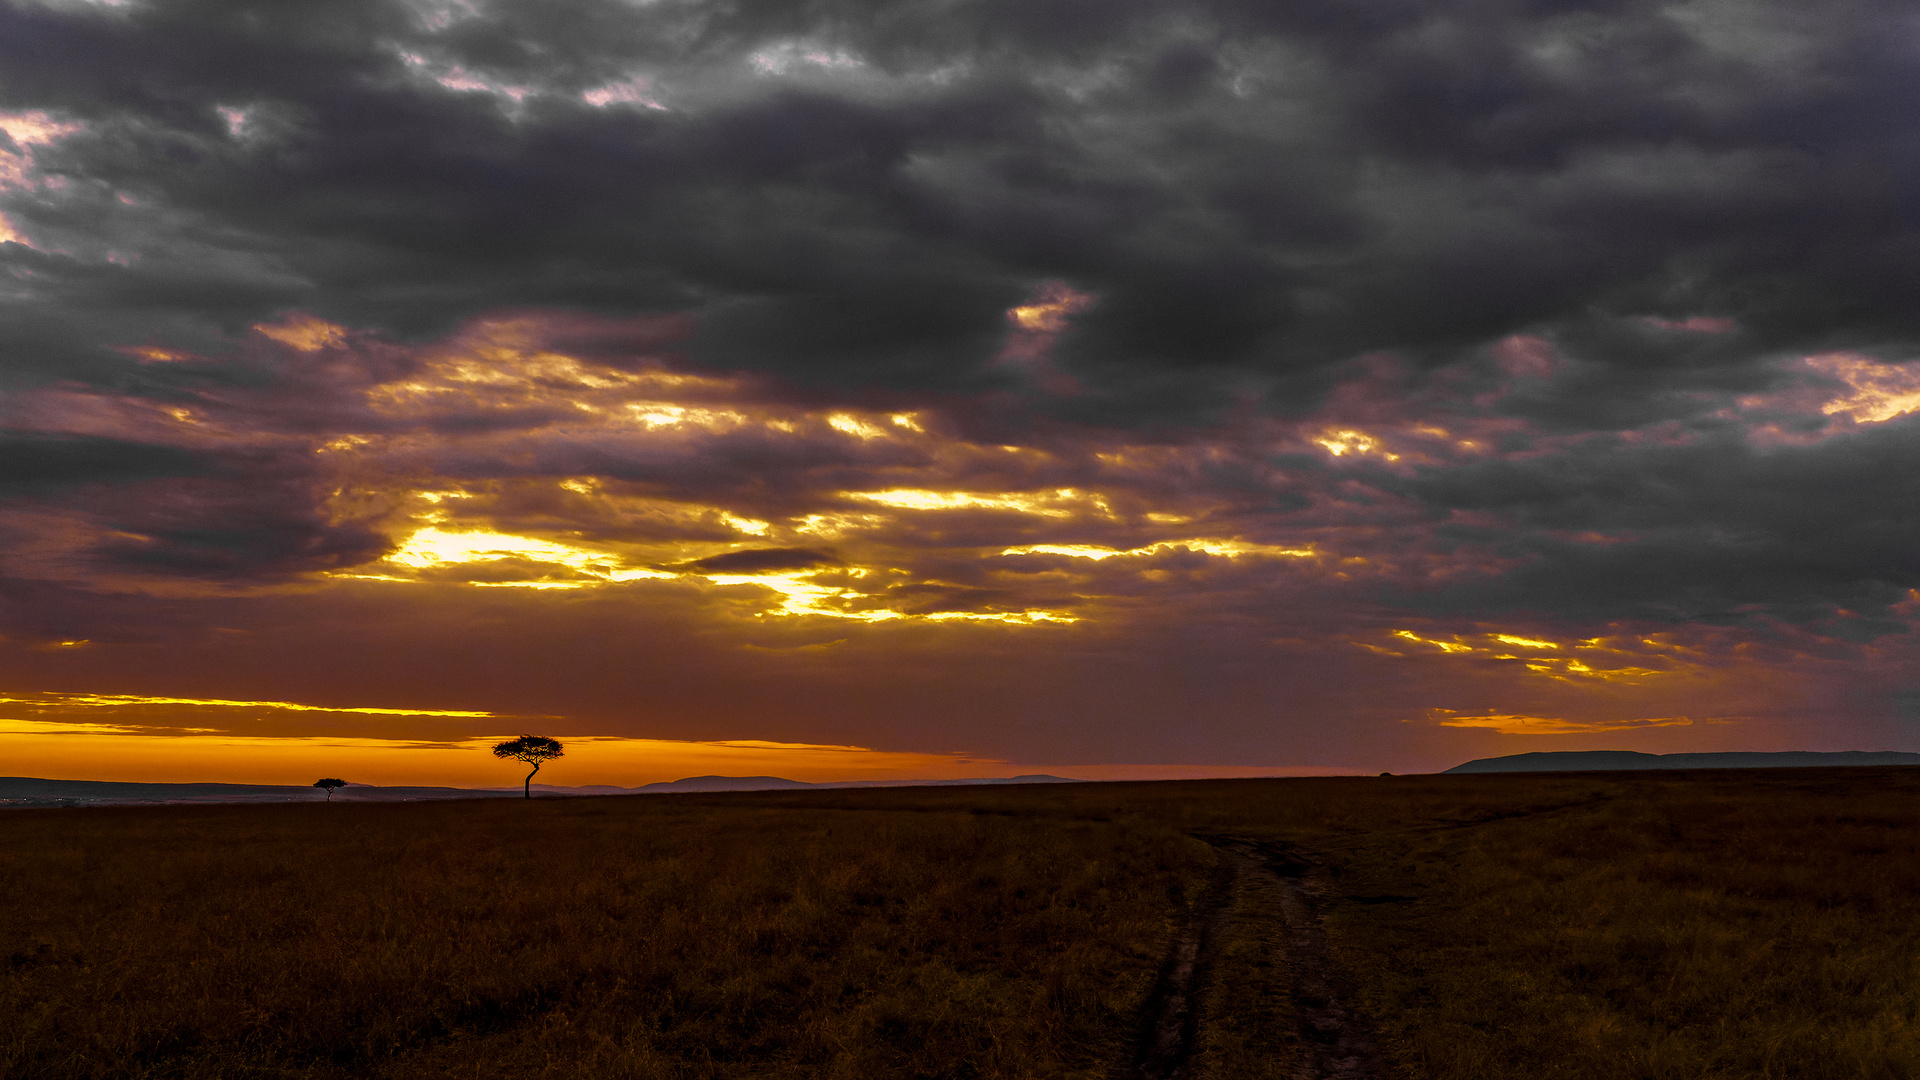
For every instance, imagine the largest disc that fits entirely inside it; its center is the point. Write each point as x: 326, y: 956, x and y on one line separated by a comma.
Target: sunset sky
x: 887, y: 390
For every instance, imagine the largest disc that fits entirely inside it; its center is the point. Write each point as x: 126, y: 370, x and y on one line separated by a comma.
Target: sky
x: 903, y: 389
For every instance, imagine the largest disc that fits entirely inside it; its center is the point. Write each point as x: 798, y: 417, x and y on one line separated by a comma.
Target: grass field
x: 1732, y: 924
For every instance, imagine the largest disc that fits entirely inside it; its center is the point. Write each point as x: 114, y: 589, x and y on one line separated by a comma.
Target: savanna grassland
x: 1729, y: 924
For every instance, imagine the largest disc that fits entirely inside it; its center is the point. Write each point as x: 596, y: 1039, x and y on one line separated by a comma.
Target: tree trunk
x: 528, y: 786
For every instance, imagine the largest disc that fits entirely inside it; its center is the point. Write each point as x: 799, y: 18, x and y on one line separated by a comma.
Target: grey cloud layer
x: 853, y: 193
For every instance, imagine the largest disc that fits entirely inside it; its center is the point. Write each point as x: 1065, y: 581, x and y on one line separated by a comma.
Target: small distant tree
x: 535, y: 750
x: 329, y: 784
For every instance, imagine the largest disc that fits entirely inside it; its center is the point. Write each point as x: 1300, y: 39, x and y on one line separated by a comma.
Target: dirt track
x: 1268, y: 882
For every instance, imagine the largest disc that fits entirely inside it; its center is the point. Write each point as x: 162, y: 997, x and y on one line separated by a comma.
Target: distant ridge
x: 32, y: 791
x: 1026, y: 778
x: 776, y: 783
x: 1607, y: 760
x: 723, y: 783
x: 35, y: 791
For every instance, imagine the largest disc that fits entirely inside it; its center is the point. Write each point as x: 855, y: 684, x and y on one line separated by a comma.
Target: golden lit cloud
x: 433, y: 546
x: 1059, y: 503
x: 800, y: 591
x: 800, y: 596
x: 1879, y: 391
x: 121, y: 701
x: 829, y: 526
x: 1078, y: 551
x: 1444, y: 646
x: 38, y: 726
x: 27, y: 130
x: 655, y: 414
x: 637, y: 90
x: 1036, y: 326
x: 856, y: 427
x: 35, y: 127
x: 1049, y: 311
x: 1567, y: 669
x: 1020, y: 617
x: 1575, y: 669
x: 304, y: 332
x: 1340, y: 443
x: 1515, y: 724
x: 1223, y: 548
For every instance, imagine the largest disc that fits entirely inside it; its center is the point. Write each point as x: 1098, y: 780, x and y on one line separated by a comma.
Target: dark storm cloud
x: 38, y: 463
x: 853, y: 193
x: 259, y: 528
x: 1697, y: 531
x: 764, y: 560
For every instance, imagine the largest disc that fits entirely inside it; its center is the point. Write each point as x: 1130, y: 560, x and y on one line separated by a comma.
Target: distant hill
x: 776, y: 783
x: 724, y: 783
x: 1026, y: 778
x: 1608, y: 760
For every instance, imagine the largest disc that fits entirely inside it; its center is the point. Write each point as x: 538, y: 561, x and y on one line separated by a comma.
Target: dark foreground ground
x: 1714, y: 924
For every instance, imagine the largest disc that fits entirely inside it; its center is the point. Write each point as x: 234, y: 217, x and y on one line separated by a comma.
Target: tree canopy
x: 535, y: 750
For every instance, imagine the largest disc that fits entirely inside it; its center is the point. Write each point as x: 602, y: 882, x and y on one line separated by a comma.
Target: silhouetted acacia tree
x: 535, y: 750
x: 329, y: 784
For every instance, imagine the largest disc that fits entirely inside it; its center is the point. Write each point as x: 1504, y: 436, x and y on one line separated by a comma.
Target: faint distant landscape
x: 1614, y: 760
x: 18, y: 792
x: 28, y: 791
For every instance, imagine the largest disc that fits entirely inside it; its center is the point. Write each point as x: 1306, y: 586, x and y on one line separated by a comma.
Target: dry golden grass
x: 1758, y: 924
x: 1736, y: 924
x: 646, y: 937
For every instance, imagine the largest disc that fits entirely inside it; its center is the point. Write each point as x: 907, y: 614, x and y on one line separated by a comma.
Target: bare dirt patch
x: 1249, y: 986
x: 1170, y: 1019
x: 1337, y: 1040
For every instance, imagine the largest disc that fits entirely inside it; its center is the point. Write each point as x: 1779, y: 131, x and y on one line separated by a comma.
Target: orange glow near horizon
x: 176, y: 739
x: 68, y: 750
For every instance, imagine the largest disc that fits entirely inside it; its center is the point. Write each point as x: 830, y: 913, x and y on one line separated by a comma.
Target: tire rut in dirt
x: 1170, y: 1019
x: 1339, y: 1042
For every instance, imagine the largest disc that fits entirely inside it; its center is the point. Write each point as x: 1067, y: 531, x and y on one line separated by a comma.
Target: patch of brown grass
x: 1734, y: 924
x: 644, y: 937
x: 1730, y: 924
